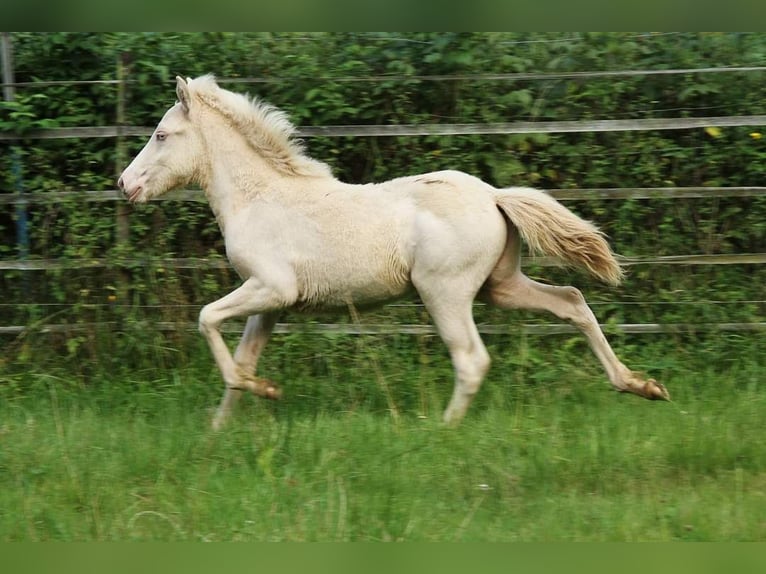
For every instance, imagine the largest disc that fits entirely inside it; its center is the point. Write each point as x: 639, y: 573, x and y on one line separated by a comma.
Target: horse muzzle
x: 131, y: 191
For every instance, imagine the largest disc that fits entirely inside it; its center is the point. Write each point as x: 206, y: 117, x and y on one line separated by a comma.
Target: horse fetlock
x: 454, y: 414
x: 259, y: 386
x: 218, y: 421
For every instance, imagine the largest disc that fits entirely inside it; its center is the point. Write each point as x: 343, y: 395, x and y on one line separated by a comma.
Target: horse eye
x: 161, y: 136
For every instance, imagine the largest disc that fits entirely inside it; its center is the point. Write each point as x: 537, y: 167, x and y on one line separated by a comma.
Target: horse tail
x: 551, y: 229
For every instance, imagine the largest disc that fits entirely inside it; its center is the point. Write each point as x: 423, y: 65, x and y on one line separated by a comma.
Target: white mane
x: 266, y: 128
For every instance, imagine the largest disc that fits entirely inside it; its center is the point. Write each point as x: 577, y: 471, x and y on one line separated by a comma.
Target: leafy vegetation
x: 351, y: 78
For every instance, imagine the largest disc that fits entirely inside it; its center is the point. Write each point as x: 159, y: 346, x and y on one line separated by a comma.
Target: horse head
x: 172, y: 157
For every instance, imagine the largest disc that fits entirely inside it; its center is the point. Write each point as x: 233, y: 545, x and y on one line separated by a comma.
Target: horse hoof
x: 273, y: 392
x: 655, y: 391
x: 265, y: 388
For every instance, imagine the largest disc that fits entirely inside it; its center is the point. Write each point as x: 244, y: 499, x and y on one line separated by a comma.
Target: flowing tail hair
x: 551, y: 229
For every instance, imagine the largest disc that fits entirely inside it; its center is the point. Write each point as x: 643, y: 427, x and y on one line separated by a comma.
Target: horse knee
x: 207, y: 322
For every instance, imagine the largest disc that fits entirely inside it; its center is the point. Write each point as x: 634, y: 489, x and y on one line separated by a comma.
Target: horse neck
x: 236, y: 174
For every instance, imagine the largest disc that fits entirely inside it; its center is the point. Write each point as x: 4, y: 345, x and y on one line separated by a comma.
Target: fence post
x: 9, y: 93
x: 123, y: 229
x: 122, y: 223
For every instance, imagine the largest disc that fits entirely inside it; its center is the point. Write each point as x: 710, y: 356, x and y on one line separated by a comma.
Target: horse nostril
x: 120, y: 183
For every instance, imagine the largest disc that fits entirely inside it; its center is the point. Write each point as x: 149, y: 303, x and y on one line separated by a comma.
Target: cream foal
x: 302, y: 239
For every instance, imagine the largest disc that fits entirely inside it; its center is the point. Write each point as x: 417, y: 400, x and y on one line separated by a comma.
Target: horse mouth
x: 135, y: 195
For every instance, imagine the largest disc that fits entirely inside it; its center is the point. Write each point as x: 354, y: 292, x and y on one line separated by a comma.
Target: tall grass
x: 546, y: 453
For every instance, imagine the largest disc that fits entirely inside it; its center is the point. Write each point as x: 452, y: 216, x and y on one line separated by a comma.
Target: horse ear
x: 182, y: 91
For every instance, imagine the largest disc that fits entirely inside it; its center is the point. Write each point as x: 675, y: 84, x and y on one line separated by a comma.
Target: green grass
x: 133, y: 459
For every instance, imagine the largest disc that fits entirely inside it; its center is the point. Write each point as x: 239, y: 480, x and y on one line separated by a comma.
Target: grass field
x: 538, y: 458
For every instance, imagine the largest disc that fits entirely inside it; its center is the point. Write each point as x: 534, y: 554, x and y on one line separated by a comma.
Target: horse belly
x: 363, y: 283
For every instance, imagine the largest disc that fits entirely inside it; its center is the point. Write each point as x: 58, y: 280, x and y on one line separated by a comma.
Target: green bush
x: 385, y: 78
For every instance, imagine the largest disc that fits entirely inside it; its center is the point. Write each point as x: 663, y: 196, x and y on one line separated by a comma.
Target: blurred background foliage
x: 324, y: 79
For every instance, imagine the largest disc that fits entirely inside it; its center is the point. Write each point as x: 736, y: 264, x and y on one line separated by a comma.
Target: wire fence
x: 234, y: 327
x: 415, y: 130
x: 507, y: 77
x: 399, y: 130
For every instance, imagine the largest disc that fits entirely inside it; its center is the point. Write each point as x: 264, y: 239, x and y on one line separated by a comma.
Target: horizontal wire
x: 404, y: 329
x: 390, y: 305
x: 485, y: 77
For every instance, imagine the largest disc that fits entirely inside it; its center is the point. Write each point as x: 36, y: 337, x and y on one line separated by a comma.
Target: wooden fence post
x: 122, y: 223
x: 9, y: 93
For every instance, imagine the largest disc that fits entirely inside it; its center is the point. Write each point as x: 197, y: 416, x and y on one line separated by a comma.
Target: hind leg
x: 517, y: 291
x: 453, y: 317
x: 470, y: 358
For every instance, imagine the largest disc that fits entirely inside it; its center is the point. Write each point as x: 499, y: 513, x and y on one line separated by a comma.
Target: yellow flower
x: 756, y: 135
x: 713, y: 132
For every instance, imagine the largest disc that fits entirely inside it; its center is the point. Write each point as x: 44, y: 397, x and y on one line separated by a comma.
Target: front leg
x: 251, y: 298
x: 254, y: 339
